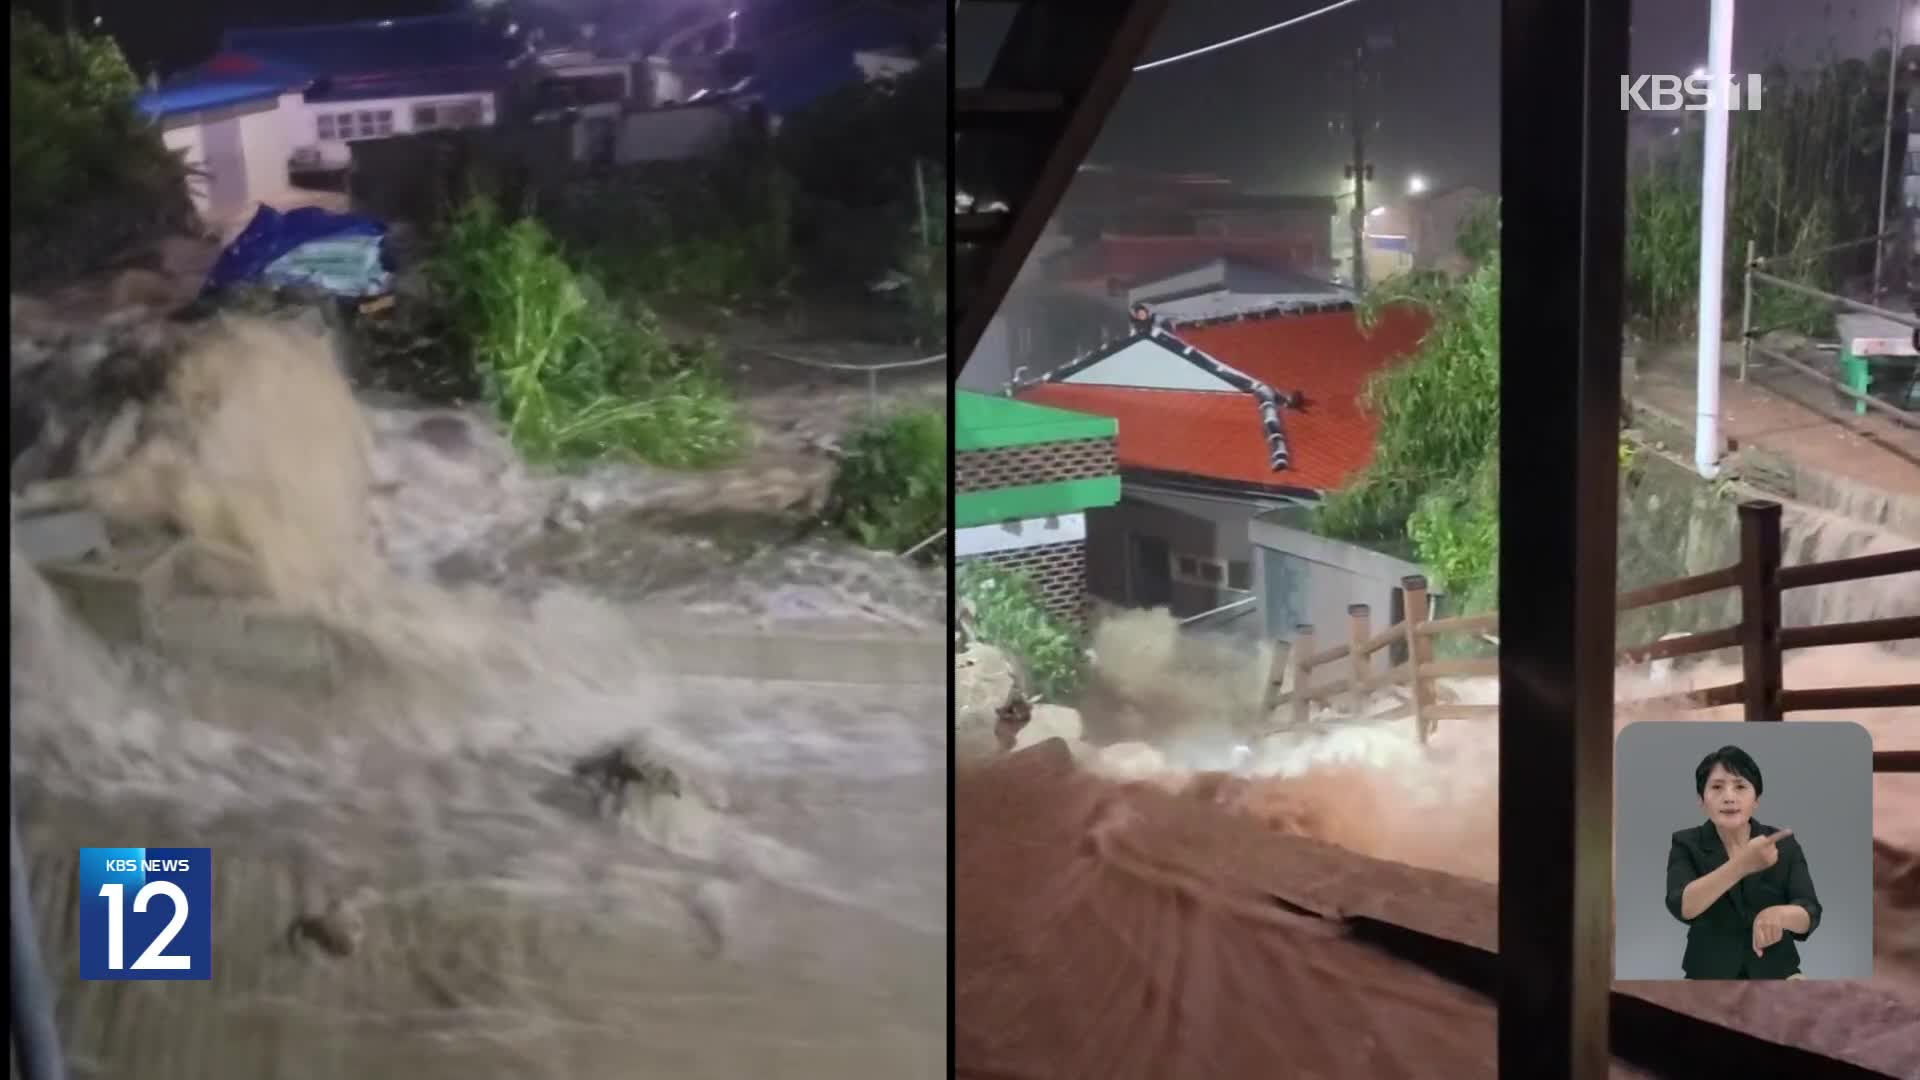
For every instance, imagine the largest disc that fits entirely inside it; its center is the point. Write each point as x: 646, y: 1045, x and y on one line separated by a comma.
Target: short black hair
x: 1734, y: 760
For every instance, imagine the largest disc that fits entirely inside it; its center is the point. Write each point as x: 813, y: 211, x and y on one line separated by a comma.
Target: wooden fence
x: 1758, y: 635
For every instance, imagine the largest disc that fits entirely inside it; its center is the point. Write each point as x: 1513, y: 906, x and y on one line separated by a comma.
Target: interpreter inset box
x: 1743, y: 851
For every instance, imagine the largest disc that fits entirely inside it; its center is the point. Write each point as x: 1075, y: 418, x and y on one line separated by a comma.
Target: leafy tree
x: 73, y: 133
x: 1439, y: 411
x: 1803, y: 173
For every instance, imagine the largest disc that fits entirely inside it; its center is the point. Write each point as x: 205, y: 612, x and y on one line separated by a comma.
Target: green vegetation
x: 90, y: 178
x: 1804, y: 174
x: 571, y: 372
x: 865, y: 164
x: 1009, y: 616
x: 846, y: 194
x: 890, y: 491
x: 715, y: 232
x: 1433, y: 478
x: 74, y: 135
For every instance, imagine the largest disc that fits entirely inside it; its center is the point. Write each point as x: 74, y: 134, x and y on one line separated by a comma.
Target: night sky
x: 178, y: 34
x: 1258, y: 112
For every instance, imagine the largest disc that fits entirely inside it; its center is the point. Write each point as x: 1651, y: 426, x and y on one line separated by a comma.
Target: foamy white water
x: 783, y: 916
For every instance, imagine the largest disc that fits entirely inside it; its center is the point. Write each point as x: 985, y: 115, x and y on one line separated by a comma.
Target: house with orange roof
x: 1228, y: 427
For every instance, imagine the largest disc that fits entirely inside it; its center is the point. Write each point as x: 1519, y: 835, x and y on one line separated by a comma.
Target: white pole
x: 1713, y: 238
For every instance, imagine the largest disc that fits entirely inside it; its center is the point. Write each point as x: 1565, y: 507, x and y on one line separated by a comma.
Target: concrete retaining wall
x: 131, y: 601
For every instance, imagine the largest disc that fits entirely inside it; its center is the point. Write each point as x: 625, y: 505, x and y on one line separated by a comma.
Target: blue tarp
x: 308, y: 245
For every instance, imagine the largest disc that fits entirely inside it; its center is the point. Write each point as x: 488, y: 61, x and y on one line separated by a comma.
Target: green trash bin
x: 1856, y: 374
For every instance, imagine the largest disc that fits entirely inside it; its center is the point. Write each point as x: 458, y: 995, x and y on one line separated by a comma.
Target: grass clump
x: 571, y: 372
x: 890, y: 491
x: 1008, y: 615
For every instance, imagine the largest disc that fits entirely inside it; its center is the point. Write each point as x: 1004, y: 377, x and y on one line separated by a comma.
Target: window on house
x: 369, y: 124
x: 1240, y: 575
x: 426, y: 117
x: 1206, y: 573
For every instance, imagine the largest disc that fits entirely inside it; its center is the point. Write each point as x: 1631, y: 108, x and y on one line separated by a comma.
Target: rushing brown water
x: 1126, y: 927
x: 784, y: 914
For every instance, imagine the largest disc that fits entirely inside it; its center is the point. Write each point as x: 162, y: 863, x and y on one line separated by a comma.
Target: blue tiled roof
x: 221, y: 82
x: 194, y: 95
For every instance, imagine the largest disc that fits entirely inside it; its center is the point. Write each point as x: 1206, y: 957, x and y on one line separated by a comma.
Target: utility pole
x: 1886, y: 147
x: 1357, y: 121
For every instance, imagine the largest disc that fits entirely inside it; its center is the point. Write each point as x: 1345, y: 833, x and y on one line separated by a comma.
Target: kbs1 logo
x: 146, y: 913
x: 1695, y: 93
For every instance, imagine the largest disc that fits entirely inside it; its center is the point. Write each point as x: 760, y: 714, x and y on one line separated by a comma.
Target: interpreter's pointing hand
x: 1760, y: 852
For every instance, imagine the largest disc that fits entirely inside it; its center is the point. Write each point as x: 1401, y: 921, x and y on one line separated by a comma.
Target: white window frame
x: 351, y: 124
x: 1189, y: 569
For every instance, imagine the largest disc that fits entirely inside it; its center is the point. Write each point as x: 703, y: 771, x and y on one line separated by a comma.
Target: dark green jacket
x: 1720, y: 939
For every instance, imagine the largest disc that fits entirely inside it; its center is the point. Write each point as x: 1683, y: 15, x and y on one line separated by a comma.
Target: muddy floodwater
x: 410, y: 877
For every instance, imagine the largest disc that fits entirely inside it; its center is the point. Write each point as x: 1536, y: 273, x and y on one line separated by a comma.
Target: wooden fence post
x: 1359, y: 663
x: 1419, y: 649
x: 1297, y: 660
x: 1760, y: 609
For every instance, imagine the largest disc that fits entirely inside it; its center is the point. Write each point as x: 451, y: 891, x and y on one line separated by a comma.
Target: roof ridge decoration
x: 1284, y: 309
x: 1269, y: 402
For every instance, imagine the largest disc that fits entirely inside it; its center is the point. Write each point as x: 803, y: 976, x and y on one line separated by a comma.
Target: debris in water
x: 338, y: 930
x: 609, y: 774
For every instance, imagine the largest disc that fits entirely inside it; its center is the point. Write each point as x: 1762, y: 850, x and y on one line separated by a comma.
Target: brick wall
x: 1040, y: 463
x: 1058, y: 571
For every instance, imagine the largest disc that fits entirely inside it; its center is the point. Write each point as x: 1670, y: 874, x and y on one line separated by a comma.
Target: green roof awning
x: 985, y: 422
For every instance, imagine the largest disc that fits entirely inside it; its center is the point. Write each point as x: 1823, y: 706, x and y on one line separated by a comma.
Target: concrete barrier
x: 133, y: 599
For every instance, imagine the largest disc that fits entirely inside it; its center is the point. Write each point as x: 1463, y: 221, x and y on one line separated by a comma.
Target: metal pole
x: 1746, y: 312
x: 1713, y: 234
x: 1886, y: 149
x: 1358, y: 222
x: 36, y: 1039
x: 920, y: 204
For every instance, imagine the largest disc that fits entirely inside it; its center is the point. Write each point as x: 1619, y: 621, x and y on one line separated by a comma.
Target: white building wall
x: 303, y: 123
x: 269, y: 139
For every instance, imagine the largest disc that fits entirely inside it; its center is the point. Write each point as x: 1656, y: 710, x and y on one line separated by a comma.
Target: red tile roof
x: 1217, y: 436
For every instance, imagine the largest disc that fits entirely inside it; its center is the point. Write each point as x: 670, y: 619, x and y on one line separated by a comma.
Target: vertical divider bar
x: 1760, y: 663
x: 1562, y: 241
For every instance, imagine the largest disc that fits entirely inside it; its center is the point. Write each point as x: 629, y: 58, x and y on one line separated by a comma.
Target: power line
x: 1204, y: 49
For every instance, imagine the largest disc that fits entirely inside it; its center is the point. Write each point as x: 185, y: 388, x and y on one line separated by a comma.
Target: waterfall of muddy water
x: 782, y: 914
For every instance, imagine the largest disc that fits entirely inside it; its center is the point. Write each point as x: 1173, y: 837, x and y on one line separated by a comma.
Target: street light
x: 1416, y: 185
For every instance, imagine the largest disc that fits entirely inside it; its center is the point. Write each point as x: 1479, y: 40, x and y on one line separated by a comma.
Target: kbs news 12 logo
x: 146, y: 913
